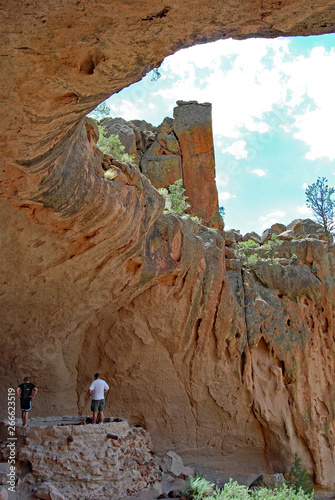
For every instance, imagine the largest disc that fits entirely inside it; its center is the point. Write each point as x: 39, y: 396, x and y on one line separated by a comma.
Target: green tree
x: 298, y: 477
x: 112, y: 145
x: 100, y: 112
x: 319, y: 199
x: 222, y: 212
x: 156, y: 74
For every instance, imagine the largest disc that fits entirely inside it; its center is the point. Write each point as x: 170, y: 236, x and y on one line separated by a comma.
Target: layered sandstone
x: 210, y: 361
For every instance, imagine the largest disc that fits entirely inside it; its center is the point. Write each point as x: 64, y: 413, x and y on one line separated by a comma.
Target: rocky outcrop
x: 160, y: 157
x: 180, y: 148
x: 93, y: 277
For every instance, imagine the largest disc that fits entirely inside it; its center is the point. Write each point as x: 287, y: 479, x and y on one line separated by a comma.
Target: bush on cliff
x: 175, y: 199
x: 112, y: 145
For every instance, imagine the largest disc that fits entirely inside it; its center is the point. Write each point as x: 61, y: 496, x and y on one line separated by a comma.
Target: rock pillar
x: 193, y: 128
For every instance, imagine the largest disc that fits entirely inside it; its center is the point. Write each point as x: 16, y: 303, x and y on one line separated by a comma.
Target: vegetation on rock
x: 175, y: 199
x: 112, y: 145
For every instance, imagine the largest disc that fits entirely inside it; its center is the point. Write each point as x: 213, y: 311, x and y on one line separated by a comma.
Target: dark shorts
x: 98, y: 405
x: 25, y: 404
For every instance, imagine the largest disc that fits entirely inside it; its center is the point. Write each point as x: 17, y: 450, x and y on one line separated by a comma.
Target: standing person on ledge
x: 26, y: 392
x: 97, y: 391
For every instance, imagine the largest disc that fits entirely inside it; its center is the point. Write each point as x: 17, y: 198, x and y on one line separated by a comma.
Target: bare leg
x: 95, y: 413
x: 24, y: 417
x: 101, y: 416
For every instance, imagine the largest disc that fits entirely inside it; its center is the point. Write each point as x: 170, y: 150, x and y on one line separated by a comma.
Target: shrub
x: 112, y: 145
x: 283, y: 493
x: 178, y: 198
x: 245, y: 245
x: 245, y: 251
x: 232, y: 490
x: 197, y: 488
x: 297, y: 477
x: 252, y: 259
x: 195, y: 218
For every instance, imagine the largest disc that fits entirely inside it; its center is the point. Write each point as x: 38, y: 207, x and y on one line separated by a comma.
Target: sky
x: 273, y: 111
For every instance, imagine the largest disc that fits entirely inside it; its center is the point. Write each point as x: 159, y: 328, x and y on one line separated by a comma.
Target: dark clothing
x: 27, y: 390
x: 98, y: 405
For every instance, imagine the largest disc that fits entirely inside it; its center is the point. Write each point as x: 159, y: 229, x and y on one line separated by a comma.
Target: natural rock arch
x: 91, y: 275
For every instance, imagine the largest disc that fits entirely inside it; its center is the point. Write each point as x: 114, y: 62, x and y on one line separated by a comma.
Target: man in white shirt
x: 97, y: 391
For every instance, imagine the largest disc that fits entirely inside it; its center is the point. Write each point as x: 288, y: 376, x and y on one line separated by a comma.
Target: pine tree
x: 319, y: 199
x: 298, y: 477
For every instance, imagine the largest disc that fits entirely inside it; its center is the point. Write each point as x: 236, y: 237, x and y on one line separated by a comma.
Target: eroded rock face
x: 93, y: 277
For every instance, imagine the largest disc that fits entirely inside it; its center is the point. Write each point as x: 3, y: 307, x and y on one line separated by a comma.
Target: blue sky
x: 273, y: 119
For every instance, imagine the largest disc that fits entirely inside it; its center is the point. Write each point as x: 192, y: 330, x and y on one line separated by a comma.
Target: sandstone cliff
x: 94, y: 276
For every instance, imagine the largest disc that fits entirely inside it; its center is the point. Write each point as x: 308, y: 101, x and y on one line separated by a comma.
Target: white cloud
x: 233, y: 76
x: 304, y: 186
x: 221, y: 179
x: 237, y: 149
x: 225, y: 195
x: 271, y: 218
x: 259, y: 172
x: 129, y: 110
x: 313, y: 77
x: 304, y: 210
x: 244, y: 80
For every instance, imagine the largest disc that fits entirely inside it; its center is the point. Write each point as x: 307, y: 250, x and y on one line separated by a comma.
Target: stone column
x: 193, y: 128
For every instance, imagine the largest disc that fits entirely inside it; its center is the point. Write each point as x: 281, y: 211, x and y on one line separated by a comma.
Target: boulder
x: 267, y: 234
x: 47, y: 491
x: 168, y: 142
x: 252, y: 236
x: 230, y: 253
x: 270, y: 481
x: 279, y: 227
x: 304, y: 227
x: 232, y: 236
x: 173, y: 464
x: 128, y: 133
x: 161, y: 170
x: 292, y: 281
x: 286, y: 235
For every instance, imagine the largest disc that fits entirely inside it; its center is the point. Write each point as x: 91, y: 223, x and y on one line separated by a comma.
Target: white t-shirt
x: 98, y: 387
